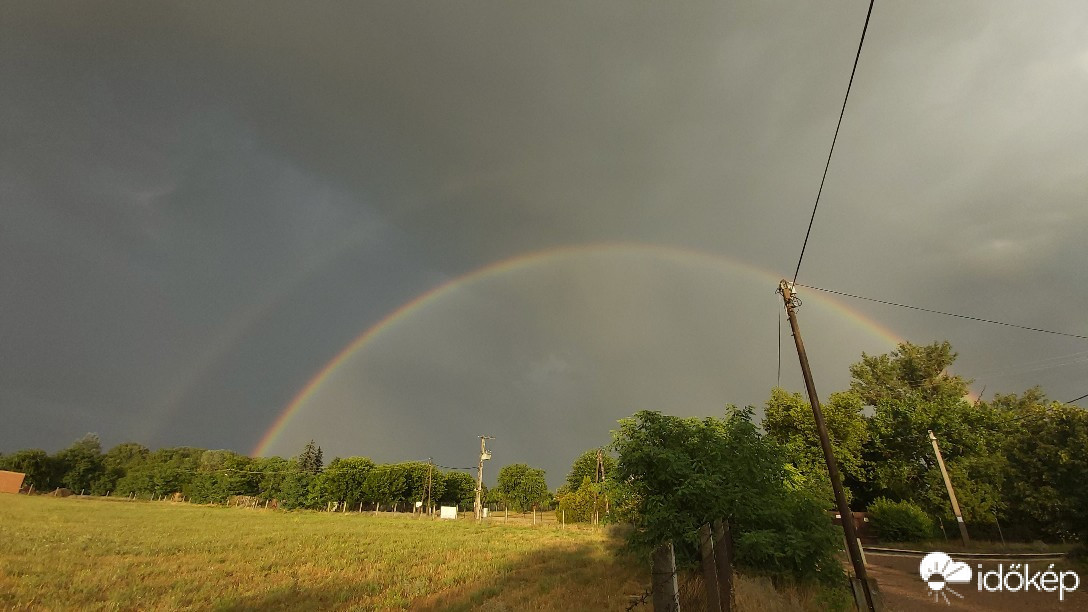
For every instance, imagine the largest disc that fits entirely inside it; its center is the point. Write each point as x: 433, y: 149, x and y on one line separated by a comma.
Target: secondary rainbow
x: 520, y: 262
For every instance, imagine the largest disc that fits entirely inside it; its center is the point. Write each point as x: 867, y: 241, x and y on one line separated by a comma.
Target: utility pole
x: 484, y: 456
x: 597, y: 477
x: 853, y: 547
x: 427, y: 503
x: 951, y: 493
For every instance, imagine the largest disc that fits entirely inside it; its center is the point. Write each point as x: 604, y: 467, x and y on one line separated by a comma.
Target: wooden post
x: 951, y: 492
x: 723, y: 556
x: 791, y: 303
x: 710, y: 574
x: 666, y: 598
x: 564, y: 518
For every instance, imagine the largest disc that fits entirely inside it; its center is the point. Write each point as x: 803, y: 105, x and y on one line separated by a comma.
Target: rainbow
x: 521, y: 262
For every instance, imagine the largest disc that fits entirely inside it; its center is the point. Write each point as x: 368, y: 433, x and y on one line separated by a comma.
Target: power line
x: 833, y: 139
x: 1077, y: 399
x: 947, y: 314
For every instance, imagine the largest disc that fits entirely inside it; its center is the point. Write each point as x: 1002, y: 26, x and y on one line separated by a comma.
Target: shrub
x: 900, y: 521
x: 682, y: 473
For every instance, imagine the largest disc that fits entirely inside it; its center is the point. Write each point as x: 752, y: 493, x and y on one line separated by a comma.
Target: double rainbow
x: 520, y: 263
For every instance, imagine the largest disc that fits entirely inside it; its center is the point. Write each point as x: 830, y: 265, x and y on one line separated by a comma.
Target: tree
x: 459, y: 490
x: 788, y: 420
x: 310, y: 460
x: 1047, y: 486
x: 910, y: 371
x: 82, y: 464
x: 585, y: 466
x: 522, y: 487
x: 683, y: 473
x: 343, y: 480
x: 902, y: 464
x: 42, y: 471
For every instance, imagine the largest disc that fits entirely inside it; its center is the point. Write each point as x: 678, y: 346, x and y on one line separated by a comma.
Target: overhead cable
x: 833, y: 140
x: 947, y: 314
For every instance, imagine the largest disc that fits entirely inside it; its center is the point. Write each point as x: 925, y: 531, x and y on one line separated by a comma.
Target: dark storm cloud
x: 203, y: 203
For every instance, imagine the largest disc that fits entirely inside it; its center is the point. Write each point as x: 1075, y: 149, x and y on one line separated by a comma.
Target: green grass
x: 100, y: 554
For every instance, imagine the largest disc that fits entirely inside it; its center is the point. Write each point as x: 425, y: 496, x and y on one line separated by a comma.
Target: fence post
x: 710, y: 574
x: 723, y: 555
x: 663, y: 584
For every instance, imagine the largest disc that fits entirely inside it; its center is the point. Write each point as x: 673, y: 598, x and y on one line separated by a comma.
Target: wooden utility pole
x: 430, y: 468
x: 597, y: 477
x: 853, y: 547
x: 951, y: 492
x: 484, y: 456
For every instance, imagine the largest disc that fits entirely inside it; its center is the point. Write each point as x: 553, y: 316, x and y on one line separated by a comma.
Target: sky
x: 407, y: 224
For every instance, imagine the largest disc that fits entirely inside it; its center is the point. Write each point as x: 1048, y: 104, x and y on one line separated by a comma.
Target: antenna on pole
x: 478, y: 509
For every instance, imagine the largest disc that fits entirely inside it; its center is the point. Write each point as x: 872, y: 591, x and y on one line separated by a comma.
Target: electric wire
x: 1077, y: 399
x: 833, y: 140
x: 948, y: 314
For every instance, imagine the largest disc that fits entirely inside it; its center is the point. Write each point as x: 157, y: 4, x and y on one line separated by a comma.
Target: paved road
x: 904, y: 590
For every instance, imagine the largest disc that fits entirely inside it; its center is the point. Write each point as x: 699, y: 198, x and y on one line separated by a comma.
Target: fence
x: 716, y: 567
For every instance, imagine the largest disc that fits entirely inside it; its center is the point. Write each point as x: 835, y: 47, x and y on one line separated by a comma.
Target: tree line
x: 1017, y: 459
x: 213, y: 476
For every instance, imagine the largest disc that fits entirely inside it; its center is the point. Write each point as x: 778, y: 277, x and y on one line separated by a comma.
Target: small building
x: 11, y: 482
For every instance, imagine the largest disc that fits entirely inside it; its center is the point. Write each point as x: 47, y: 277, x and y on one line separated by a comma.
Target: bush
x: 682, y: 473
x: 900, y: 521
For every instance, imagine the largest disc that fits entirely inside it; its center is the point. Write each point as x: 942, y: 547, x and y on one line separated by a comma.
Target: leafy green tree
x: 343, y: 480
x: 166, y: 471
x: 82, y: 464
x: 42, y: 471
x: 909, y: 372
x: 579, y: 506
x: 522, y: 487
x: 295, y: 489
x: 585, y: 466
x: 273, y: 473
x: 387, y: 484
x: 903, y: 466
x: 1047, y: 486
x: 459, y: 489
x: 788, y: 421
x: 682, y: 473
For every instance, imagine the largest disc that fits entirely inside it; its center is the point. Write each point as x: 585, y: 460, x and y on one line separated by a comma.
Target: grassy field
x: 90, y: 553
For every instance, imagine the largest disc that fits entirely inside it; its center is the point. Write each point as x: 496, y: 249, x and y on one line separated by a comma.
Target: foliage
x: 522, y: 487
x: 82, y: 465
x: 459, y: 489
x: 579, y: 505
x: 788, y: 421
x: 903, y: 465
x: 685, y: 472
x: 585, y: 467
x: 41, y: 470
x: 900, y: 521
x: 909, y: 372
x: 1047, y: 485
x: 310, y: 460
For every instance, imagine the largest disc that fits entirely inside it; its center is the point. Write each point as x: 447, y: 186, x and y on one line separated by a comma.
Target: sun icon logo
x: 939, y: 570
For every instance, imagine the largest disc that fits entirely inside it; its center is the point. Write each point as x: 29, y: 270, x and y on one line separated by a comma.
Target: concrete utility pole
x: 484, y: 456
x: 951, y: 493
x: 853, y: 547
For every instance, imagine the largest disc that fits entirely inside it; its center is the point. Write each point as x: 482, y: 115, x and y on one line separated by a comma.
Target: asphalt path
x: 904, y: 590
